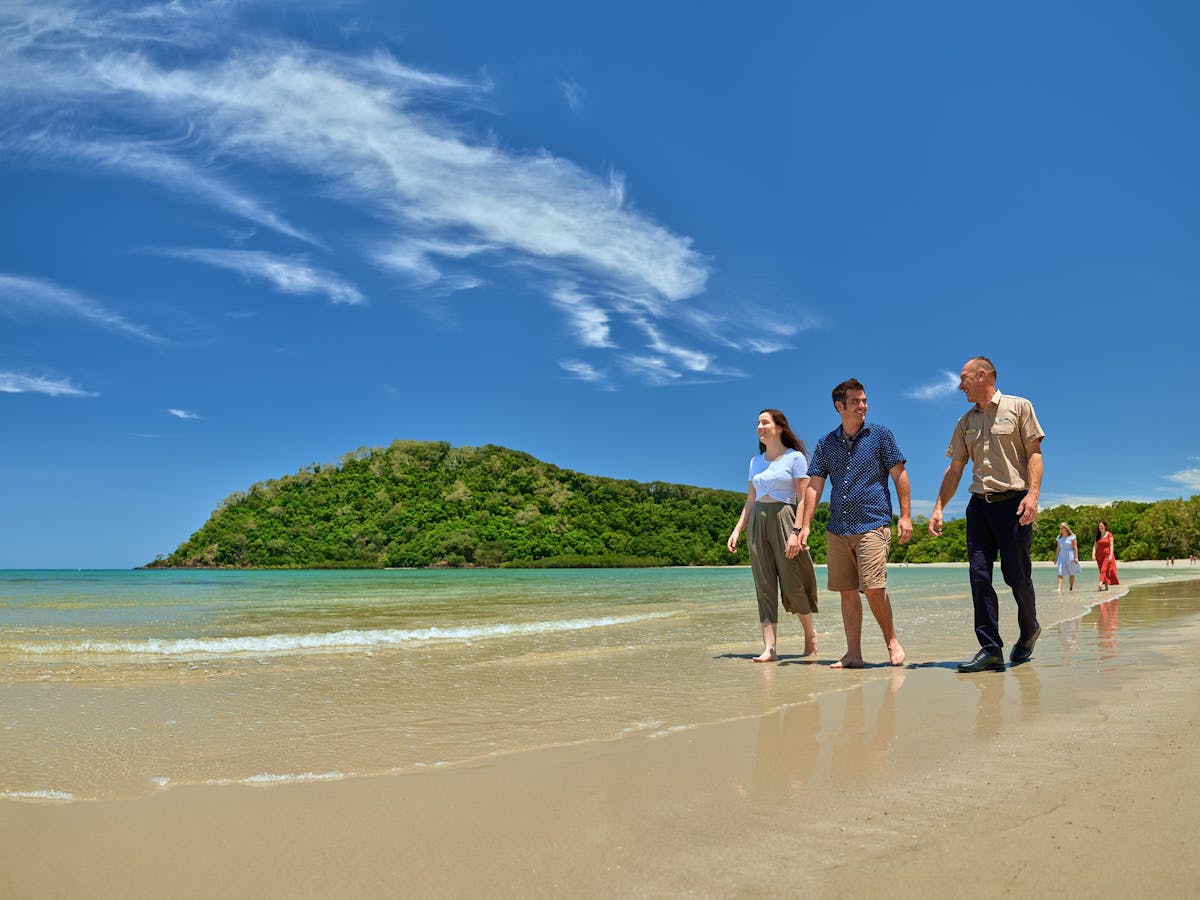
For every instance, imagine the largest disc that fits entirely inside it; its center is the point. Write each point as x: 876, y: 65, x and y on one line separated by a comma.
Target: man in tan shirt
x: 1001, y: 437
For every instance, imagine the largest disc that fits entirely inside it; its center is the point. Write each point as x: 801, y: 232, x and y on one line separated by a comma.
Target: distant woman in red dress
x: 1106, y: 560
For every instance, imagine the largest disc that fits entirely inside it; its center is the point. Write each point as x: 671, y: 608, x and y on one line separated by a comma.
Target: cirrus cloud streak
x: 22, y: 383
x: 439, y: 199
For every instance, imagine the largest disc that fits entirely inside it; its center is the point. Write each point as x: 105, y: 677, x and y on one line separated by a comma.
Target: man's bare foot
x: 766, y: 656
x: 848, y: 662
x: 810, y: 645
x: 896, y: 652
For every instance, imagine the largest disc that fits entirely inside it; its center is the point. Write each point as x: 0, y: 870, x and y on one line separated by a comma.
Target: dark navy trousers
x: 994, y: 528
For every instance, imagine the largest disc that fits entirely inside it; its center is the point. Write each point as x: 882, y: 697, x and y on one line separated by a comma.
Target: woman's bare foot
x: 810, y: 645
x: 766, y: 656
x: 848, y: 662
x: 896, y: 652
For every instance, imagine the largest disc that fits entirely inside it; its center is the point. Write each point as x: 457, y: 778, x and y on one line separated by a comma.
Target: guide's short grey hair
x: 982, y: 362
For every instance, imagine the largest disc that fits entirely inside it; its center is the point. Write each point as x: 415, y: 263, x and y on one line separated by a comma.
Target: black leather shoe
x: 1023, y: 649
x: 983, y: 662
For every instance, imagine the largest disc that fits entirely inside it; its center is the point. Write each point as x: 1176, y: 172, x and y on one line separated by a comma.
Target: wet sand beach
x: 1076, y: 774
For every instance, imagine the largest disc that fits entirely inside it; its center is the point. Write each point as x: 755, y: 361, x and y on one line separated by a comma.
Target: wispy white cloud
x: 573, y: 93
x: 423, y: 260
x: 765, y: 346
x: 775, y: 329
x: 653, y: 369
x: 583, y: 371
x: 22, y: 383
x: 372, y: 145
x: 936, y: 390
x: 41, y: 296
x: 589, y: 320
x: 183, y: 414
x: 289, y: 274
x: 1189, y: 478
x: 692, y: 360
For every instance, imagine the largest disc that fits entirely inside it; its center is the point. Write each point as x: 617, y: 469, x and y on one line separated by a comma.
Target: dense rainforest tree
x: 430, y: 504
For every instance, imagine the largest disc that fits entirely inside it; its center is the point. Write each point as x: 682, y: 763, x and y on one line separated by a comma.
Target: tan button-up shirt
x: 994, y: 439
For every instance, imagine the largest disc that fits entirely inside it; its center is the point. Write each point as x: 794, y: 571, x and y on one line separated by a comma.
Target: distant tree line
x: 1141, y: 531
x: 418, y: 504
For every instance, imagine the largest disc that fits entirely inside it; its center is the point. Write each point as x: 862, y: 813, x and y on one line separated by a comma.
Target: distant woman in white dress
x: 772, y: 516
x: 1068, y: 556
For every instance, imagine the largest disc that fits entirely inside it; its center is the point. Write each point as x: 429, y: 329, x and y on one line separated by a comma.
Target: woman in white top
x: 1068, y: 556
x: 772, y: 517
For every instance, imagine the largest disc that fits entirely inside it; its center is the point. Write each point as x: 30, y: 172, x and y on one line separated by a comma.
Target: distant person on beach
x: 1105, y: 555
x: 772, y: 515
x: 858, y: 457
x: 1068, y: 556
x: 1001, y: 437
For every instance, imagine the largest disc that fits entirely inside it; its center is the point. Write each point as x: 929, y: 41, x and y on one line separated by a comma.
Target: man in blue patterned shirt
x: 857, y: 458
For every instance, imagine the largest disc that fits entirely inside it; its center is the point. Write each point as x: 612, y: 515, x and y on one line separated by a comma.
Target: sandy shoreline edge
x: 1075, y: 774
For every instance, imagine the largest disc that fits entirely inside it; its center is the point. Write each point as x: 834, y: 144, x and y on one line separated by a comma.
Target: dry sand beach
x: 1076, y: 774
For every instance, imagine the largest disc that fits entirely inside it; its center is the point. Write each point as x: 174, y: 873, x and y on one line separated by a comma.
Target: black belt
x: 1002, y: 496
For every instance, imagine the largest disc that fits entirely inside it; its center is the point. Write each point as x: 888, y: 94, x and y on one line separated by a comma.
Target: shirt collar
x: 994, y: 402
x: 841, y: 432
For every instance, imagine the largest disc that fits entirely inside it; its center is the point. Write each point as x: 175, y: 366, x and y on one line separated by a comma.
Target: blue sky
x: 242, y: 237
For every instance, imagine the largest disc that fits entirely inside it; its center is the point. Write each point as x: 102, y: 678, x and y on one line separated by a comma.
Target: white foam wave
x: 348, y: 639
x: 276, y: 778
x: 37, y: 795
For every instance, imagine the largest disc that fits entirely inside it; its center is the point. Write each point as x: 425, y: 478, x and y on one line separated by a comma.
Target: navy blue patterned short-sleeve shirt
x: 857, y: 471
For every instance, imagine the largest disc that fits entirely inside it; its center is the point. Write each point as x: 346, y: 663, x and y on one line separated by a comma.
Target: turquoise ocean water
x: 122, y: 683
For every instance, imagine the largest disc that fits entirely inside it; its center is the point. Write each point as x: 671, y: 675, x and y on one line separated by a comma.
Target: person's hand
x: 1027, y: 510
x: 733, y: 540
x: 935, y: 523
x: 793, y: 548
x: 804, y: 537
x: 905, y: 526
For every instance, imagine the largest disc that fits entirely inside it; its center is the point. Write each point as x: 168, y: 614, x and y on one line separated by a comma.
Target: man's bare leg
x: 881, y: 606
x: 770, y: 631
x: 852, y: 622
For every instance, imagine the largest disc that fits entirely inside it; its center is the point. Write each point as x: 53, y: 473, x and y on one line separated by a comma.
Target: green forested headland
x: 431, y: 504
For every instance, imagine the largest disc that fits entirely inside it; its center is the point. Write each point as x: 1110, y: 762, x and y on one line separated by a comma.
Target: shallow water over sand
x: 127, y: 683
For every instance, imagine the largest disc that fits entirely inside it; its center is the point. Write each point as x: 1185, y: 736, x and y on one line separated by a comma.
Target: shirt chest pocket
x: 1003, y: 427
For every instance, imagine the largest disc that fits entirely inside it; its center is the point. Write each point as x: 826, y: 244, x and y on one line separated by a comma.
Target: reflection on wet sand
x: 792, y: 744
x: 1105, y: 618
x: 785, y: 753
x: 858, y: 746
x: 1106, y: 628
x: 1068, y: 638
x: 989, y: 708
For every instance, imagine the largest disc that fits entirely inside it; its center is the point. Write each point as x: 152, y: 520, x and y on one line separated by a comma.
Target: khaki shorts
x: 858, y: 562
